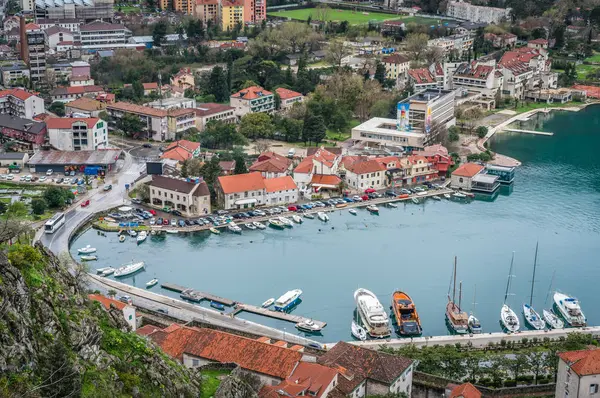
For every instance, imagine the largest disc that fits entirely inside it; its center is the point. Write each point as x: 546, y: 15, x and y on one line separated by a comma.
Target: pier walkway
x: 528, y: 131
x: 195, y: 295
x: 283, y: 316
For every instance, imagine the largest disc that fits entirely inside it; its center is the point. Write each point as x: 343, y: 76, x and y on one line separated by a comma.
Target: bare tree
x: 433, y: 55
x: 322, y: 12
x: 261, y: 146
x: 337, y: 51
x: 415, y: 44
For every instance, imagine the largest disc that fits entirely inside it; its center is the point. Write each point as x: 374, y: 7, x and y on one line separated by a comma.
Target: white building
x: 100, y: 34
x: 321, y: 163
x: 127, y: 310
x: 462, y: 177
x: 478, y: 78
x: 288, y: 98
x: 77, y: 134
x: 56, y: 35
x: 253, y: 99
x: 364, y: 174
x: 173, y: 103
x: 396, y: 66
x: 210, y: 111
x: 280, y: 191
x: 430, y: 109
x: 385, y: 132
x: 69, y: 23
x: 470, y: 12
x: 578, y: 374
x: 242, y: 191
x: 18, y: 102
x: 459, y: 42
x: 192, y: 198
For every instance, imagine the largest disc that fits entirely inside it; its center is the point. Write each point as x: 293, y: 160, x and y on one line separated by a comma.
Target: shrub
x: 510, y: 383
x: 38, y: 206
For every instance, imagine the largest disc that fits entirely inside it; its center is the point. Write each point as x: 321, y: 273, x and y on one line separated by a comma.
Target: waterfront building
x: 21, y: 103
x: 322, y: 162
x: 416, y: 169
x: 181, y: 150
x: 365, y: 372
x: 479, y: 78
x: 76, y: 134
x: 384, y: 132
x: 363, y: 174
x: 210, y: 111
x: 251, y: 100
x: 26, y: 133
x: 471, y: 177
x: 578, y: 374
x: 127, y: 310
x: 506, y: 175
x: 288, y: 98
x: 272, y: 167
x: 280, y: 190
x: 437, y: 155
x: 242, y: 191
x: 466, y: 390
x: 191, y: 197
x: 462, y: 10
x: 396, y: 66
x: 307, y: 379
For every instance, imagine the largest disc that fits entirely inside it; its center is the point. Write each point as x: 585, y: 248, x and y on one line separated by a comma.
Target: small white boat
x: 250, y: 226
x: 89, y: 258
x: 309, y: 215
x: 447, y: 196
x: 297, y: 219
x: 552, y: 320
x: 286, y: 221
x: 128, y: 269
x: 121, y: 238
x: 213, y: 230
x: 141, y: 237
x: 308, y: 326
x: 510, y: 321
x: 322, y: 216
x: 268, y: 303
x: 131, y: 232
x: 423, y: 193
x: 101, y: 270
x: 353, y: 212
x: 392, y: 205
x: 234, y: 228
x: 459, y: 195
x: 172, y: 231
x: 259, y: 225
x: 474, y: 324
x: 86, y: 250
x: 533, y: 318
x: 415, y: 201
x: 358, y: 332
x: 107, y: 271
x: 151, y: 283
x: 373, y: 209
x: 435, y: 197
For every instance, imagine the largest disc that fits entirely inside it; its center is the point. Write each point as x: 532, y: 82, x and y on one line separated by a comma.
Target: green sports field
x: 353, y: 17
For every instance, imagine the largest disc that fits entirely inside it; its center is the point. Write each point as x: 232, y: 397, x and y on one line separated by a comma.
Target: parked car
x: 188, y: 222
x: 221, y: 212
x: 152, y: 221
x: 259, y: 213
x: 419, y: 189
x: 58, y: 180
x: 391, y: 193
x: 85, y: 203
x: 107, y: 187
x: 173, y: 222
x: 136, y: 201
x: 166, y: 209
x: 159, y: 221
x: 147, y: 145
x: 292, y: 208
x: 357, y: 198
x: 42, y: 178
x: 405, y: 191
x: 176, y: 213
x: 166, y: 221
x: 181, y: 223
x: 152, y: 211
x: 125, y: 299
x: 138, y: 210
x: 72, y: 174
x: 49, y: 172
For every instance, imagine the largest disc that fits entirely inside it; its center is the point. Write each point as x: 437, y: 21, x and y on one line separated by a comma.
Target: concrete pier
x: 196, y: 295
x: 283, y: 316
x: 533, y: 132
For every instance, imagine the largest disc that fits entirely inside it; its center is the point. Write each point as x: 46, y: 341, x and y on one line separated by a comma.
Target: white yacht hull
x: 552, y: 320
x: 358, y: 332
x: 373, y: 315
x: 569, y: 309
x: 509, y: 319
x: 532, y: 318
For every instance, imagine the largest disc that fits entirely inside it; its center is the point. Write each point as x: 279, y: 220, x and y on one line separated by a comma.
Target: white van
x: 291, y: 152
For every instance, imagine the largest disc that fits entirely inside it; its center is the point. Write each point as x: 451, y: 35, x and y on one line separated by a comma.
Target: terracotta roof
x: 323, y: 179
x: 538, y: 41
x: 385, y: 160
x: 16, y: 92
x: 67, y: 122
x: 32, y: 26
x: 421, y: 75
x: 324, y: 156
x: 182, y: 72
x: 189, y: 146
x: 336, y: 150
x: 284, y: 93
x: 227, y: 165
x: 355, y: 364
x: 86, y: 104
x: 107, y: 302
x: 468, y: 170
x: 251, y: 92
x: 207, y: 2
x: 224, y: 347
x: 232, y: 3
x: 177, y: 185
x: 272, y: 165
x: 280, y: 184
x: 146, y: 330
x: 466, y: 390
x: 439, y: 71
x: 76, y: 90
x: 366, y: 166
x: 432, y: 150
x: 242, y: 183
x: 174, y: 112
x: 210, y: 108
x: 474, y: 71
x: 305, y: 166
x: 307, y: 379
x: 150, y: 86
x: 139, y: 109
x: 179, y: 154
x: 583, y: 362
x: 274, y: 155
x: 349, y: 160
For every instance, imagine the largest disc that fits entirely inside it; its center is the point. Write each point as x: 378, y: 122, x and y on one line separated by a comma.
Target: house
x: 503, y: 40
x: 437, y: 155
x: 241, y: 191
x: 280, y: 190
x: 181, y: 150
x: 190, y: 197
x: 396, y: 66
x: 21, y: 103
x: 195, y: 347
x: 422, y: 79
x: 227, y: 167
x: 207, y: 112
x: 68, y: 94
x: 77, y: 134
x: 288, y: 98
x: 471, y: 177
x: 14, y: 159
x: 149, y: 88
x: 27, y: 133
x: 85, y: 105
x: 252, y: 100
x: 184, y: 79
x: 479, y: 78
x: 538, y: 44
x: 127, y: 310
x: 271, y: 165
x: 99, y: 35
x: 307, y: 379
x: 578, y: 374
x: 56, y: 34
x: 14, y: 74
x: 322, y: 162
x: 466, y: 390
x: 364, y: 372
x: 364, y: 174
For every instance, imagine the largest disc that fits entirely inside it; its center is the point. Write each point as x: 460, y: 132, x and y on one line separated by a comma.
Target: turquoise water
x: 555, y: 201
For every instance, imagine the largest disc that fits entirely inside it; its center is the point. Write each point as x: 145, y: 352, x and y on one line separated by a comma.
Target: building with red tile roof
x: 271, y: 168
x: 364, y: 174
x: 437, y: 155
x: 288, y: 98
x: 252, y: 189
x: 578, y: 373
x: 322, y: 162
x: 21, y: 103
x: 471, y: 177
x: 396, y: 65
x: 181, y: 150
x: 127, y: 310
x: 468, y: 170
x: 253, y: 99
x: 280, y: 190
x: 183, y: 79
x: 321, y: 181
x: 466, y: 390
x: 422, y: 78
x: 307, y: 379
x: 479, y: 78
x: 227, y: 167
x: 77, y: 133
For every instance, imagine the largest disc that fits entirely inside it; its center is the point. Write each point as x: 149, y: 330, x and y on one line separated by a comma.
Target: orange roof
x: 263, y: 339
x: 150, y: 86
x: 305, y: 166
x: 415, y: 158
x: 139, y: 109
x: 538, y: 41
x: 583, y: 362
x: 32, y: 26
x: 388, y: 159
x: 284, y: 93
x: 366, y: 166
x: 177, y: 153
x: 324, y: 156
x: 191, y: 146
x: 280, y: 184
x: 466, y: 390
x: 272, y: 165
x: 322, y: 179
x: 348, y: 160
x: 274, y: 155
x: 307, y: 379
x: 67, y: 122
x: 251, y: 92
x: 422, y: 75
x: 242, y: 182
x: 146, y: 330
x: 106, y: 302
x: 16, y: 92
x: 468, y: 170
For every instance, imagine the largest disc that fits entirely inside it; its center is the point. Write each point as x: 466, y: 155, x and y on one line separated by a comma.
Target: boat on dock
x: 510, y: 321
x: 108, y: 271
x: 408, y: 322
x: 459, y: 195
x: 275, y: 223
x: 457, y: 318
x: 392, y: 205
x: 553, y: 320
x: 297, y: 219
x: 473, y: 322
x: 341, y: 205
x: 373, y: 209
x: 234, y: 228
x: 258, y: 225
x: 151, y: 283
x: 288, y: 300
x: 89, y: 258
x: 531, y: 316
x: 130, y: 268
x: 121, y: 238
x: 322, y: 216
x: 570, y: 309
x: 268, y: 303
x: 308, y: 326
x: 415, y: 201
x: 132, y: 233
x: 435, y: 197
x: 86, y: 250
x: 286, y: 221
x: 101, y: 270
x: 372, y: 314
x: 214, y: 231
x: 217, y: 306
x: 250, y: 226
x: 309, y: 215
x: 172, y: 231
x: 141, y: 237
x: 353, y: 212
x: 447, y: 196
x: 358, y: 332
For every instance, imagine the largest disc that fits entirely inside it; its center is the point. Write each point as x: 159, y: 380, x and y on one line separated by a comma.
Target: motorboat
x: 373, y: 315
x: 341, y: 205
x: 258, y: 225
x: 89, y: 258
x: 101, y: 270
x: 456, y: 318
x: 353, y: 212
x: 86, y: 250
x: 373, y: 209
x: 309, y: 215
x: 408, y: 322
x: 358, y: 331
x: 474, y: 324
x: 275, y: 223
x: 234, y: 228
x: 552, y: 320
x: 288, y: 300
x: 217, y: 306
x: 250, y: 226
x: 533, y: 318
x: 121, y: 238
x: 459, y: 195
x: 141, y: 237
x: 569, y: 309
x: 108, y: 271
x: 297, y: 219
x: 322, y: 216
x: 509, y: 319
x: 308, y: 326
x: 132, y: 233
x: 130, y: 268
x: 415, y: 201
x: 286, y: 221
x: 214, y: 231
x: 435, y: 197
x: 392, y: 205
x: 172, y: 231
x: 447, y: 196
x: 268, y: 303
x: 151, y: 283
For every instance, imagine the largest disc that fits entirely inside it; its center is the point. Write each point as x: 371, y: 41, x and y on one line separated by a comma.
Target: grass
x: 541, y: 105
x: 353, y: 17
x: 593, y: 58
x: 128, y: 9
x: 335, y: 136
x: 211, y: 379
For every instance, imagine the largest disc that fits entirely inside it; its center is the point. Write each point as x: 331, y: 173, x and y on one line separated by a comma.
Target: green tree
x: 292, y: 129
x: 314, y: 129
x: 3, y: 207
x: 536, y: 363
x: 159, y: 31
x: 138, y: 89
x: 56, y: 196
x: 57, y: 108
x: 218, y: 84
x: 104, y: 116
x: 184, y: 169
x: 130, y: 124
x: 38, y: 206
x: 257, y: 125
x: 17, y: 209
x: 240, y: 161
x: 453, y: 133
x: 211, y: 171
x: 481, y: 131
x: 516, y: 364
x: 221, y: 135
x: 380, y: 73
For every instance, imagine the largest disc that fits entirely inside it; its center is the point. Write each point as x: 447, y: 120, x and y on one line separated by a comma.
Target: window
x: 460, y: 179
x: 171, y: 196
x: 153, y: 192
x: 195, y: 362
x: 177, y: 197
x: 130, y: 317
x: 593, y: 388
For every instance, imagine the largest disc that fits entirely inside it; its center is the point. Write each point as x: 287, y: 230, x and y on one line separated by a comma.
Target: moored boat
x: 457, y: 318
x: 408, y: 322
x: 459, y: 195
x: 415, y: 201
x: 508, y: 318
x: 392, y: 205
x: 274, y: 223
x: 297, y: 219
x: 89, y: 258
x: 268, y: 303
x: 569, y: 308
x: 86, y: 250
x: 132, y: 233
x: 309, y: 215
x: 435, y: 197
x: 341, y: 205
x: 101, y: 270
x: 258, y: 225
x: 474, y: 324
x: 373, y: 316
x: 447, y: 196
x: 322, y: 216
x: 531, y: 316
x: 373, y: 209
x: 286, y: 221
x: 214, y: 231
x: 358, y: 331
x: 141, y: 237
x: 217, y: 306
x: 151, y: 283
x: 552, y: 320
x: 121, y: 238
x: 234, y: 228
x: 288, y: 300
x: 250, y: 226
x: 308, y: 326
x: 130, y: 268
x: 172, y: 231
x: 353, y: 212
x: 108, y: 271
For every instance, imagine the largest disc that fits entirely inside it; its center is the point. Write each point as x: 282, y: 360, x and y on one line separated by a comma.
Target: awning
x: 245, y: 201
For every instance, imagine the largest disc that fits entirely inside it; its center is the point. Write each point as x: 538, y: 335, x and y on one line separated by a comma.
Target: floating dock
x: 528, y: 131
x: 196, y: 295
x: 283, y: 316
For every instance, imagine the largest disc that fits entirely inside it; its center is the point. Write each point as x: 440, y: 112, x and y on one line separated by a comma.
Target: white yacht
x: 510, y: 321
x: 297, y: 219
x: 141, y: 237
x: 569, y: 309
x: 128, y: 269
x: 259, y: 225
x: 372, y: 313
x: 322, y: 216
x: 288, y: 300
x: 552, y: 320
x: 358, y: 332
x: 86, y: 250
x: 286, y: 221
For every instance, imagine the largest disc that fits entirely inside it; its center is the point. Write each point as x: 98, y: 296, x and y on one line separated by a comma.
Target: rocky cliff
x: 54, y: 342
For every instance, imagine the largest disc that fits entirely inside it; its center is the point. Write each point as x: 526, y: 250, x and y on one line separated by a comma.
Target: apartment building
x: 56, y: 35
x: 252, y: 100
x: 428, y: 109
x: 71, y: 24
x: 463, y: 10
x: 208, y: 112
x: 207, y: 10
x: 68, y: 94
x: 459, y: 42
x: 15, y: 74
x: 423, y: 79
x: 26, y: 133
x: 363, y: 174
x: 396, y: 66
x: 249, y: 190
x: 18, y: 102
x: 190, y: 197
x: 36, y: 56
x: 99, y: 34
x: 77, y: 134
x: 288, y: 98
x: 481, y: 78
x: 232, y: 13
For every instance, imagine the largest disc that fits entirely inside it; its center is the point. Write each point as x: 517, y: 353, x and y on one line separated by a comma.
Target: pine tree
x: 289, y: 77
x: 380, y: 73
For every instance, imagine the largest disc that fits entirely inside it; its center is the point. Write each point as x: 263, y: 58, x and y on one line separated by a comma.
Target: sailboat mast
x: 454, y: 284
x: 459, y: 295
x: 508, y: 279
x: 533, y: 279
x: 550, y: 287
x: 474, y: 296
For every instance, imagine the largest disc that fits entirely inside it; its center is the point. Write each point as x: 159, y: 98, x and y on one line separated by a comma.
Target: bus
x: 55, y: 223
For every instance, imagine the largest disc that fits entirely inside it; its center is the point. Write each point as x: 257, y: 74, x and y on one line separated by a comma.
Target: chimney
x: 23, y: 37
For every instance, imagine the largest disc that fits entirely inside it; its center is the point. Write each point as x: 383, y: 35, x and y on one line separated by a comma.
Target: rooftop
x: 583, y: 362
x: 178, y: 185
x: 466, y: 390
x: 280, y: 184
x: 385, y: 126
x: 139, y: 109
x: 365, y: 166
x: 67, y: 122
x: 473, y: 70
x: 251, y: 93
x: 12, y: 155
x: 92, y: 158
x: 16, y: 92
x: 307, y: 379
x: 468, y: 170
x: 485, y: 178
x: 86, y: 104
x: 272, y: 165
x: 107, y: 302
x: 101, y: 26
x: 242, y: 182
x: 20, y: 124
x: 284, y: 93
x: 211, y: 108
x: 429, y: 95
x: 422, y: 75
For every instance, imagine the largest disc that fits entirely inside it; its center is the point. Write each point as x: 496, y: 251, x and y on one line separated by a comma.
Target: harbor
x: 510, y: 130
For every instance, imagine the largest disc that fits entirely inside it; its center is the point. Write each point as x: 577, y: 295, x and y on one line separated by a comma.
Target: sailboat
x: 457, y: 319
x: 549, y: 316
x: 509, y: 319
x: 358, y: 331
x: 474, y: 324
x: 531, y: 316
